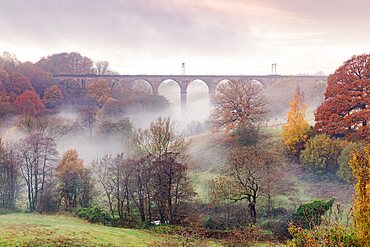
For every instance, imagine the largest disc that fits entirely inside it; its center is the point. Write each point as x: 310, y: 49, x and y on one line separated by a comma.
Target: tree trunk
x: 252, y: 210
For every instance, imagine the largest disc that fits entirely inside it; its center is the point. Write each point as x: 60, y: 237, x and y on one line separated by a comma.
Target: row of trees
x: 32, y: 166
x: 27, y: 88
x: 150, y: 182
x: 155, y: 182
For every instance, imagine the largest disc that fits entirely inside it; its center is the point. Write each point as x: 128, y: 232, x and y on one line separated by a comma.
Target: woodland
x: 236, y: 179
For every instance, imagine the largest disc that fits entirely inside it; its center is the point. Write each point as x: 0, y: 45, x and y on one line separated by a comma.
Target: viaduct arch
x: 183, y: 80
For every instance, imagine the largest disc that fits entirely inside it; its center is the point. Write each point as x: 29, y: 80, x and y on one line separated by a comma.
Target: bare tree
x: 172, y: 188
x: 9, y: 176
x: 238, y: 104
x: 54, y: 127
x: 102, y: 67
x: 159, y: 139
x: 114, y: 176
x: 88, y: 118
x: 168, y: 152
x: 104, y: 169
x: 141, y: 187
x: 247, y: 176
x: 37, y: 156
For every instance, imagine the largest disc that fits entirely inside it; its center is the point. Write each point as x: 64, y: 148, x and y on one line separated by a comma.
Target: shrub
x: 333, y: 231
x: 9, y: 211
x: 345, y: 171
x: 321, y: 153
x: 278, y: 223
x: 309, y: 214
x: 95, y: 214
x: 279, y: 227
x: 328, y: 235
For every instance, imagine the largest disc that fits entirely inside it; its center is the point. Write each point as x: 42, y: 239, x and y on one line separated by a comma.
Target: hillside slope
x: 57, y: 230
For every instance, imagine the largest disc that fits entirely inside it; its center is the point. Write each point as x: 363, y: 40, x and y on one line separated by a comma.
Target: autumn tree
x: 238, y: 106
x: 248, y: 174
x: 29, y: 103
x: 360, y: 164
x: 9, y: 176
x: 67, y: 63
x: 39, y: 78
x: 296, y: 132
x: 345, y: 111
x: 16, y: 84
x: 99, y: 91
x: 37, y: 156
x: 6, y: 107
x: 75, y: 181
x: 53, y: 95
x: 168, y: 152
x: 160, y: 138
x: 72, y: 88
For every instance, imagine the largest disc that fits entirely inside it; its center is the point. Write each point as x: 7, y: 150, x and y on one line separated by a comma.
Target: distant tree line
x: 29, y: 89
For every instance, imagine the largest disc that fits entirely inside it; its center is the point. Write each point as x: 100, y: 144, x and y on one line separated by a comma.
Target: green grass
x: 200, y: 181
x: 57, y: 230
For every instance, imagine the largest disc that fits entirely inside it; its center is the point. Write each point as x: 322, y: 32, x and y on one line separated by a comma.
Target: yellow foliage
x: 360, y: 164
x: 295, y: 132
x: 70, y: 164
x: 72, y: 174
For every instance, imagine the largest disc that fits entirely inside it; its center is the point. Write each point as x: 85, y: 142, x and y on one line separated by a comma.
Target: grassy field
x: 21, y: 229
x: 57, y: 230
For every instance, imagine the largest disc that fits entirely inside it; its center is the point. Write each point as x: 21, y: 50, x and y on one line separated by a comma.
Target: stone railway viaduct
x: 183, y: 80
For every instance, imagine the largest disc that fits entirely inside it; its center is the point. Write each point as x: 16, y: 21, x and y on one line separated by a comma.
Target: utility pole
x: 273, y: 69
x: 183, y: 68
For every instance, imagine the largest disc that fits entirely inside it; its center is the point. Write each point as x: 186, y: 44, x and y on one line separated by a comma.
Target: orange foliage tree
x: 16, y: 84
x: 39, y: 78
x: 295, y: 133
x: 360, y: 164
x: 75, y: 179
x: 98, y: 90
x: 346, y: 109
x: 29, y: 103
x: 53, y: 94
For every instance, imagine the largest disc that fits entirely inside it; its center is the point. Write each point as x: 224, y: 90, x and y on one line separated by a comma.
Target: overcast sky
x: 210, y: 36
